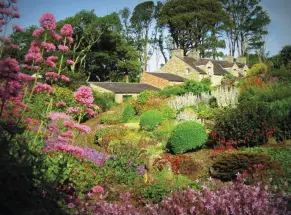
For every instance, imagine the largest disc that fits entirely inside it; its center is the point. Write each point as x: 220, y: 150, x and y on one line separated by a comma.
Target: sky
x: 31, y: 10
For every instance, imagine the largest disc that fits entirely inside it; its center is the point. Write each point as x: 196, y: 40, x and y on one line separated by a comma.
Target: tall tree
x: 190, y: 22
x: 248, y: 27
x: 141, y: 23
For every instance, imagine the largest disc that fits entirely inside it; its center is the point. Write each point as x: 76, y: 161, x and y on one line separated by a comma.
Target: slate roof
x: 125, y: 88
x: 168, y: 76
x: 219, y: 65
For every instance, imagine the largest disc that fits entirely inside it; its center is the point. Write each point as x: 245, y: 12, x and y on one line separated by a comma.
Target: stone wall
x: 178, y: 67
x: 153, y: 80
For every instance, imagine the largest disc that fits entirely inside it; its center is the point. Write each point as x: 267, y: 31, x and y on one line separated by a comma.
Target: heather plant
x: 151, y: 119
x: 187, y: 136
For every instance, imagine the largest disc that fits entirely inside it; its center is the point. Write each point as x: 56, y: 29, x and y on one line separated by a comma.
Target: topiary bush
x: 151, y: 119
x: 186, y: 136
x: 127, y: 113
x: 226, y: 166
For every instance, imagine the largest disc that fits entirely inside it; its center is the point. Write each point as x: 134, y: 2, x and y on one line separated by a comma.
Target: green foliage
x: 172, y: 90
x: 181, y: 15
x: 164, y: 131
x: 151, y: 119
x: 283, y: 157
x: 111, y: 118
x: 64, y: 94
x: 206, y: 81
x: 36, y: 105
x: 104, y: 100
x: 195, y: 87
x: 257, y: 69
x: 156, y: 192
x: 285, y: 55
x: 282, y: 73
x: 128, y: 113
x: 187, y: 136
x: 77, y: 79
x: 168, y: 112
x: 227, y: 165
x: 123, y: 168
x: 144, y: 96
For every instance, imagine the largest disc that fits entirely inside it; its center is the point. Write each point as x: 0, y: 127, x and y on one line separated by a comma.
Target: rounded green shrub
x: 127, y: 113
x: 151, y: 119
x: 186, y: 136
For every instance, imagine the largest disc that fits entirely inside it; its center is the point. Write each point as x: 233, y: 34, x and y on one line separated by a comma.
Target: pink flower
x: 37, y: 32
x: 14, y: 7
x: 14, y: 46
x: 55, y: 36
x: 58, y: 116
x: 70, y: 62
x: 5, y: 40
x: 9, y: 68
x: 82, y: 128
x: 69, y: 124
x: 63, y: 48
x: 84, y: 96
x: 70, y: 39
x: 71, y: 205
x: 89, y: 111
x: 36, y: 68
x: 17, y: 28
x: 48, y: 46
x: 29, y: 120
x: 42, y: 88
x: 50, y: 63
x: 52, y: 58
x: 25, y: 77
x: 33, y: 53
x: 61, y: 104
x: 67, y: 30
x: 65, y: 78
x: 72, y: 110
x: 47, y: 21
x: 98, y: 189
x: 67, y: 134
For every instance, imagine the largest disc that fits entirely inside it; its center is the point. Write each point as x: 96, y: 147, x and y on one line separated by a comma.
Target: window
x: 209, y: 71
x: 187, y: 71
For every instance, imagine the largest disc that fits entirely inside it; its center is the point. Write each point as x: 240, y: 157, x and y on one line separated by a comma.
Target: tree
x: 124, y: 15
x: 248, y: 26
x: 141, y: 21
x: 190, y: 22
x: 285, y: 55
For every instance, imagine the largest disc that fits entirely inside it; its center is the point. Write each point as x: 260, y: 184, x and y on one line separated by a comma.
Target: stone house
x: 121, y: 90
x: 195, y: 68
x: 161, y: 80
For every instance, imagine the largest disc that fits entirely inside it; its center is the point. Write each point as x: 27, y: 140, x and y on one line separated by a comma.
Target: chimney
x: 194, y: 54
x: 177, y: 52
x: 228, y: 59
x: 242, y: 60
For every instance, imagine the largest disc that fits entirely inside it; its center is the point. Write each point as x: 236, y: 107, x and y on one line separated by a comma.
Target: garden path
x: 88, y: 139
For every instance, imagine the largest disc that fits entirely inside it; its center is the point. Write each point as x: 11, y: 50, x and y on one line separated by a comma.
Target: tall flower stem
x: 37, y: 73
x: 62, y: 59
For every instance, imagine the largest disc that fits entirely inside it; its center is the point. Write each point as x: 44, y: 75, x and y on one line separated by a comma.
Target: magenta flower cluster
x: 84, y: 96
x: 48, y: 21
x: 53, y: 76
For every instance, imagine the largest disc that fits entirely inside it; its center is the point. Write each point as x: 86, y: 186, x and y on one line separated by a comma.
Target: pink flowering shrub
x: 84, y: 96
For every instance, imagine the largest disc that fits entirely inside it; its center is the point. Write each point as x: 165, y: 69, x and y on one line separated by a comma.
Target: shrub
x: 188, y: 100
x: 111, y: 118
x: 156, y: 192
x: 257, y: 69
x: 168, y: 112
x: 104, y: 100
x: 151, y: 119
x: 197, y: 88
x: 64, y: 94
x: 152, y: 103
x: 172, y: 91
x: 206, y: 81
x: 144, y: 96
x: 127, y: 113
x: 226, y: 166
x: 164, y: 131
x: 187, y: 136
